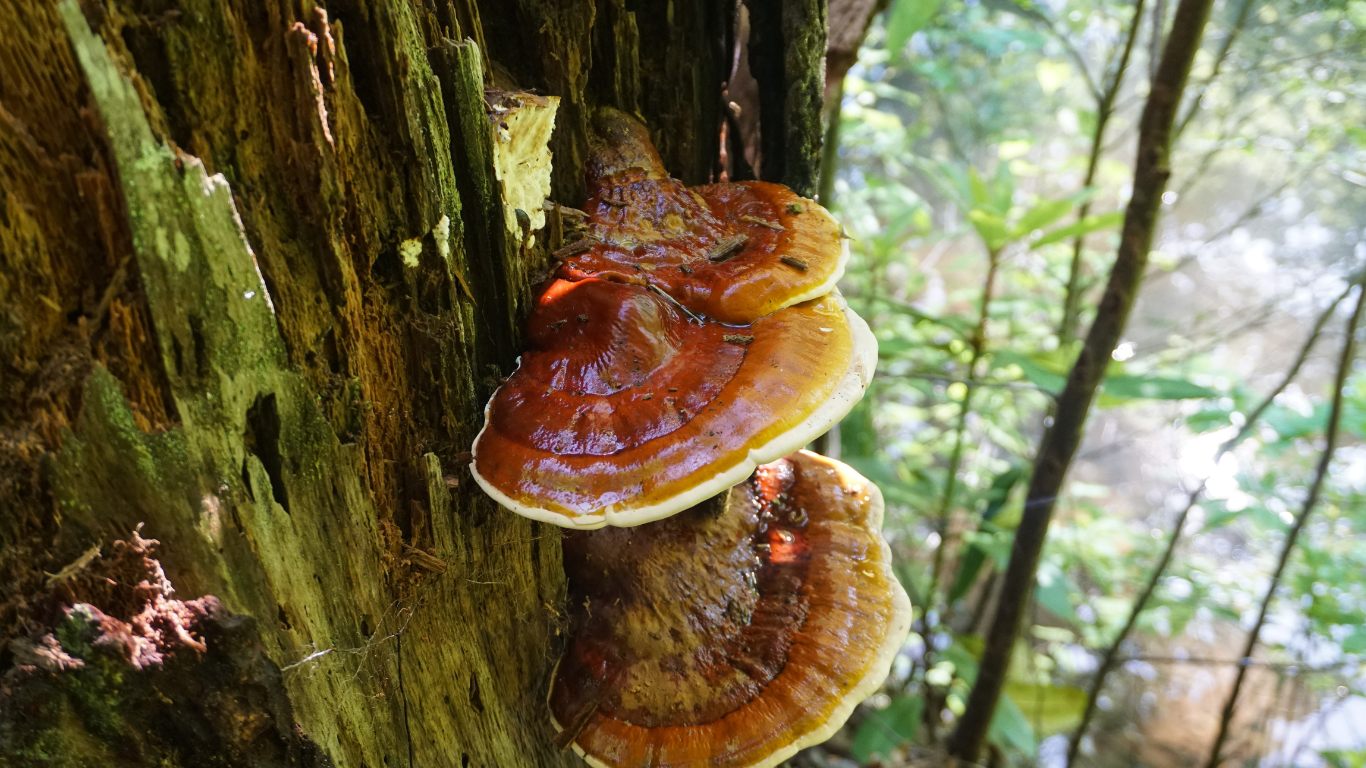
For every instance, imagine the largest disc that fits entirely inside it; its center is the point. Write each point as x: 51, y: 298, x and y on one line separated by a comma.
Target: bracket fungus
x: 625, y: 409
x: 694, y: 335
x: 733, y: 252
x: 730, y: 636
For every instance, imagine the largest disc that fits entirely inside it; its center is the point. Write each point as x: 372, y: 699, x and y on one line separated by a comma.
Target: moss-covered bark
x: 254, y: 291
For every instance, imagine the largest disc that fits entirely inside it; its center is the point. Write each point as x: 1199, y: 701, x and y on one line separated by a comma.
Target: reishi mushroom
x: 625, y: 409
x: 677, y: 349
x: 733, y: 252
x: 730, y: 637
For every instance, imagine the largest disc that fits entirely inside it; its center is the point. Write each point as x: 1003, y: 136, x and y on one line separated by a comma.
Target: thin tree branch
x: 1151, y: 172
x: 977, y: 342
x: 1320, y: 473
x: 1071, y: 304
x: 1111, y: 657
x: 1016, y: 385
x: 1214, y: 72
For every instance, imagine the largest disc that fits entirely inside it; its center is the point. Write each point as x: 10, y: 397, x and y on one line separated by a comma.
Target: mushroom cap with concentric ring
x: 625, y: 409
x: 734, y: 638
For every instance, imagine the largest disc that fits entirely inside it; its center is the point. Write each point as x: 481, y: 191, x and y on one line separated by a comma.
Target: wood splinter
x: 727, y: 248
x: 773, y: 225
x: 738, y: 338
x: 425, y: 560
x: 576, y: 247
x: 794, y: 262
x: 571, y: 732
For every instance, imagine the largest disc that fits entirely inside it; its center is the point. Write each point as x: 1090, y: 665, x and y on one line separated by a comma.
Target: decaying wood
x: 786, y: 55
x: 255, y: 288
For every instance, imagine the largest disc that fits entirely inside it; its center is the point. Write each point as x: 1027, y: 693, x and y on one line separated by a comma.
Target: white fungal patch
x: 410, y: 250
x: 521, y: 158
x: 442, y: 233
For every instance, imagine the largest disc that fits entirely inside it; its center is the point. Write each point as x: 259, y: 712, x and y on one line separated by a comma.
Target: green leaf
x: 1154, y: 388
x: 1038, y: 375
x: 1053, y: 593
x: 1003, y: 189
x: 1084, y: 227
x: 991, y: 227
x: 885, y: 730
x: 1049, y: 708
x: 1009, y: 728
x: 963, y: 653
x: 980, y: 196
x: 968, y: 568
x: 858, y: 436
x: 1344, y: 758
x: 906, y: 18
x: 895, y: 347
x: 999, y: 492
x: 1040, y: 216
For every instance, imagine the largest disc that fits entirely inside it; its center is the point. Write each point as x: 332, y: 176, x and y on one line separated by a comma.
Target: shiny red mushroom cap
x: 627, y: 409
x: 733, y: 252
x: 733, y: 638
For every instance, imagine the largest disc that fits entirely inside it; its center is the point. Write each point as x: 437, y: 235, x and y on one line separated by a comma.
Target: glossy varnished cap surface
x: 731, y: 640
x: 733, y: 252
x: 625, y: 410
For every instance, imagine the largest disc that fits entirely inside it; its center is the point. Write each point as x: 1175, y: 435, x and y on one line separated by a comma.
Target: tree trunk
x: 255, y: 288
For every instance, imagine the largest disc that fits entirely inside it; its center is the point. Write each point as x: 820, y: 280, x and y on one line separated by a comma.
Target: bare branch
x: 1111, y: 657
x: 1071, y: 305
x: 1315, y: 488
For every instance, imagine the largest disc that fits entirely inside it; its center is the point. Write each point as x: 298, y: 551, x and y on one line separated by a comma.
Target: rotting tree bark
x: 786, y: 46
x: 255, y: 287
x: 1059, y: 445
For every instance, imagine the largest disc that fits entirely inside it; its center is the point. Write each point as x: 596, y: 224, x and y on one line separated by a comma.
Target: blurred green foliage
x: 967, y: 129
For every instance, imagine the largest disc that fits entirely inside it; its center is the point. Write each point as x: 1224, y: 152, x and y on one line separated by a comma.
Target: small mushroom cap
x: 733, y: 252
x: 733, y: 639
x: 624, y: 410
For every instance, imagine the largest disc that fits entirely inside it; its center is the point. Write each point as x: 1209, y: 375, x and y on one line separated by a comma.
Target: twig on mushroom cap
x: 794, y: 262
x: 576, y: 247
x: 727, y: 248
x: 566, y: 211
x: 566, y: 737
x: 773, y: 225
x: 660, y: 292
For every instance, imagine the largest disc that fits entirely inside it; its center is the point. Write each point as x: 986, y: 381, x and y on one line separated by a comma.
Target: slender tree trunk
x: 256, y: 284
x: 1344, y: 368
x: 1151, y: 171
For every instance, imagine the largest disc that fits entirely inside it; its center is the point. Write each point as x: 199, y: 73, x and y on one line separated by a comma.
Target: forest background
x: 258, y: 283
x: 985, y: 159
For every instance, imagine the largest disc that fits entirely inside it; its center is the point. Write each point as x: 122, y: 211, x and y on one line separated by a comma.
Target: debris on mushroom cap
x: 731, y: 639
x: 625, y: 409
x: 641, y: 217
x: 522, y: 124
